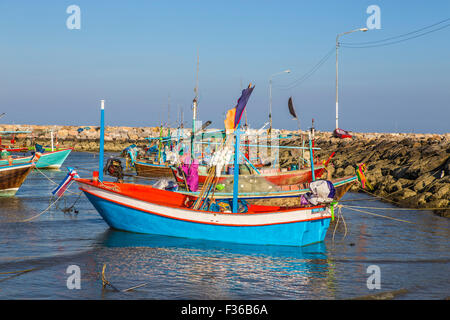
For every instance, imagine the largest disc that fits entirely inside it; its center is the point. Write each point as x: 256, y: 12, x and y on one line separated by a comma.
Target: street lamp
x: 337, y: 46
x: 270, y: 95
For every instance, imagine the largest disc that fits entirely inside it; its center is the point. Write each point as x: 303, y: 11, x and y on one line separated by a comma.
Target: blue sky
x: 134, y: 54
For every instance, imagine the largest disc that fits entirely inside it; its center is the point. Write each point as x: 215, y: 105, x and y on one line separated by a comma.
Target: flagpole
x: 102, y: 140
x: 311, y: 157
x: 236, y: 169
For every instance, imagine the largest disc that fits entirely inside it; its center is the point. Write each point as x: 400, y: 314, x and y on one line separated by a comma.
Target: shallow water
x: 413, y: 258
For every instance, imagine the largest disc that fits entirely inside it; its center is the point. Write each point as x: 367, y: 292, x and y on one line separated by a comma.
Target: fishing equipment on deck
x: 322, y: 191
x: 166, y: 184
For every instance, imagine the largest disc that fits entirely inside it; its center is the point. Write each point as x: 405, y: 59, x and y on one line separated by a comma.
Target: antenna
x: 245, y: 110
x: 168, y: 111
x: 182, y: 119
x: 196, y: 79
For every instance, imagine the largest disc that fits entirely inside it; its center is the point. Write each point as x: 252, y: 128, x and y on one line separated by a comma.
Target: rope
x: 46, y: 176
x: 105, y: 283
x: 20, y: 271
x: 391, y: 218
x: 378, y: 215
x: 38, y: 215
x: 340, y: 215
x: 15, y: 273
x: 395, y: 209
x: 69, y: 209
x: 360, y: 199
x: 55, y: 183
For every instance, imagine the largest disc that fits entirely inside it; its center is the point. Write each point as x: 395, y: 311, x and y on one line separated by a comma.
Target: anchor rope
x: 388, y: 217
x: 375, y: 214
x: 41, y: 213
x: 340, y: 215
x: 15, y: 272
x: 55, y: 183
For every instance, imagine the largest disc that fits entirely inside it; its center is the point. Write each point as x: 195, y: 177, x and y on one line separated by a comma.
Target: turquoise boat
x: 48, y: 160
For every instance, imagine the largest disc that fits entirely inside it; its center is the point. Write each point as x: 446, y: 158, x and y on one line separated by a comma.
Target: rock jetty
x: 411, y: 170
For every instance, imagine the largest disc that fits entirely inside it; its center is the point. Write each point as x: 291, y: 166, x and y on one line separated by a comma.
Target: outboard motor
x: 114, y: 168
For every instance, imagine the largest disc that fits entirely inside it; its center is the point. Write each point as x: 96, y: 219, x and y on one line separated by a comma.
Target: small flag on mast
x: 234, y: 115
x: 291, y: 108
x: 72, y: 174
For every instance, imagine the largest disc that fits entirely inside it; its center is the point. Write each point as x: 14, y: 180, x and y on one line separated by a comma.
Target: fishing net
x: 249, y: 184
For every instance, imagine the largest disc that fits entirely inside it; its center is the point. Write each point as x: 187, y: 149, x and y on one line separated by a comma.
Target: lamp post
x: 337, y: 46
x: 270, y: 95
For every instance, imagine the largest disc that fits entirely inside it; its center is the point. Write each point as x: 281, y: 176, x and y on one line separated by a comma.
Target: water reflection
x: 14, y: 209
x: 216, y: 270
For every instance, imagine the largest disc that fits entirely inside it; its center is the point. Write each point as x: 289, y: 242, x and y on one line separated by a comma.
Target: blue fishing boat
x: 144, y: 209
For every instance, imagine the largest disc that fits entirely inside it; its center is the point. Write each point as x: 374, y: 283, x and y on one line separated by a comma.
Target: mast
x: 168, y: 121
x: 311, y: 156
x: 194, y: 110
x: 102, y: 140
x: 168, y: 110
x: 51, y: 138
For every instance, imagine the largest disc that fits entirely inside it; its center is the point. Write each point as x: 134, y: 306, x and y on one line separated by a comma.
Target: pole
x: 102, y: 140
x: 311, y: 157
x: 270, y: 105
x: 337, y: 94
x: 337, y: 47
x: 51, y: 137
x: 236, y: 169
x: 194, y: 119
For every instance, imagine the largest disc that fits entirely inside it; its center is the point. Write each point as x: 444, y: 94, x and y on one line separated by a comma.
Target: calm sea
x: 412, y: 260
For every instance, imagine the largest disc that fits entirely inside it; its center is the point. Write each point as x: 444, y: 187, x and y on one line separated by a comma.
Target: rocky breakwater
x: 80, y: 138
x: 411, y: 170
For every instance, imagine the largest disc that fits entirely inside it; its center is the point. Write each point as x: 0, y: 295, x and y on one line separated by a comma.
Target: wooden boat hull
x: 12, y: 177
x: 152, y: 170
x: 143, y: 209
x: 50, y: 160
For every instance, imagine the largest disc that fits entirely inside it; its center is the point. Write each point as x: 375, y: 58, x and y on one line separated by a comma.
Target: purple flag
x: 242, y: 102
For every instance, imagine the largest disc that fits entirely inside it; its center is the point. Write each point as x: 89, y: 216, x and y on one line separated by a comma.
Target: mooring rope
x: 41, y: 213
x: 15, y: 272
x: 376, y: 214
x: 394, y: 209
x: 357, y: 209
x: 105, y: 283
x: 340, y: 215
x: 55, y: 183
